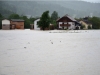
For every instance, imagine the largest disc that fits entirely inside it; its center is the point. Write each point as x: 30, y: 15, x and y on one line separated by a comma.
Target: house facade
x: 36, y: 24
x: 5, y: 24
x: 85, y: 22
x: 17, y: 24
x: 66, y: 22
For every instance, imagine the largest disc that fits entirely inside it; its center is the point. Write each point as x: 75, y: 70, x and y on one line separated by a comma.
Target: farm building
x: 5, y: 24
x: 17, y: 24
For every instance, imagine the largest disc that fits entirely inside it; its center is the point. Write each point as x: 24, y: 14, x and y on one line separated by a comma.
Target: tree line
x: 45, y: 20
x: 27, y: 21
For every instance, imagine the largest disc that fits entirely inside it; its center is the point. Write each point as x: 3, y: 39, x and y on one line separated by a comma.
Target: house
x: 36, y: 24
x: 67, y: 22
x: 17, y: 24
x: 85, y: 22
x: 6, y: 24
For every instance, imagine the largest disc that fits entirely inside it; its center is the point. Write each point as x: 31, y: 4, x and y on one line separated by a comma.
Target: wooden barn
x: 17, y: 24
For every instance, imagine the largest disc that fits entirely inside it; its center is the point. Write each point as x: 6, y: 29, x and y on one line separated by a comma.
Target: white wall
x: 35, y: 25
x: 6, y: 22
x: 70, y: 27
x: 59, y: 24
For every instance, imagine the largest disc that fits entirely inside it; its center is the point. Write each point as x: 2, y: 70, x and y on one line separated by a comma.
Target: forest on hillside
x: 36, y: 8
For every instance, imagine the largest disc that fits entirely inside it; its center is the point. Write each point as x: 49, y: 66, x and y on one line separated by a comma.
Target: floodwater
x: 30, y: 52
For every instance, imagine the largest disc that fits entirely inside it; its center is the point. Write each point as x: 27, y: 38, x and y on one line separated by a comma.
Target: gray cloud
x: 55, y: 0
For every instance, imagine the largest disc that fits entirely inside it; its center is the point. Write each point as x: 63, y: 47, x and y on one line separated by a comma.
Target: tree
x: 14, y: 16
x: 26, y: 22
x: 54, y: 15
x: 89, y: 27
x: 54, y: 23
x: 31, y: 20
x: 1, y: 17
x: 44, y: 20
x: 82, y: 26
x: 95, y: 22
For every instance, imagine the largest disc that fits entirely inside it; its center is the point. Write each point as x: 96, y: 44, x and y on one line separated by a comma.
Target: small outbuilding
x: 5, y: 24
x: 17, y: 24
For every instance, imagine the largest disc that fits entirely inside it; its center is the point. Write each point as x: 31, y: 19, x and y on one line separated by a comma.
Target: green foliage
x: 36, y: 8
x: 14, y: 16
x: 44, y: 20
x: 26, y: 22
x: 95, y: 22
x: 54, y: 15
x: 31, y: 20
x: 82, y: 26
x: 89, y: 27
x: 1, y: 17
x: 6, y: 9
x: 54, y: 23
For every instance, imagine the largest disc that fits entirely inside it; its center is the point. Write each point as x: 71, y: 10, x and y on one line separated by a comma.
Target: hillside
x: 36, y: 8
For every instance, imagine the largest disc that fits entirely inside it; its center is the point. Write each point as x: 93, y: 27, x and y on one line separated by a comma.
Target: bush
x: 89, y: 27
x: 82, y: 26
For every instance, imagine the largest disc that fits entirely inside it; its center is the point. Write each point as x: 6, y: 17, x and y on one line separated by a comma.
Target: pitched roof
x: 17, y: 20
x: 76, y: 22
x: 86, y: 20
x: 68, y: 17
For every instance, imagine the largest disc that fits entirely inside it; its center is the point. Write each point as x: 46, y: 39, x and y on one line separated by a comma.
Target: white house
x: 5, y: 24
x: 36, y: 24
x: 66, y: 22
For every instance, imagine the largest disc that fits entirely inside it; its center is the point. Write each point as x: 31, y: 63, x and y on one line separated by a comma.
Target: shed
x: 5, y: 24
x: 17, y: 24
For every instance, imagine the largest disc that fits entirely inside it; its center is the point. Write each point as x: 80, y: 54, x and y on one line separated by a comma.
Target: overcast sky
x: 92, y: 0
x: 55, y: 0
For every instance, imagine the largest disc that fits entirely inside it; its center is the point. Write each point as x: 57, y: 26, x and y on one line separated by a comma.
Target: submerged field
x: 30, y: 52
